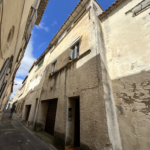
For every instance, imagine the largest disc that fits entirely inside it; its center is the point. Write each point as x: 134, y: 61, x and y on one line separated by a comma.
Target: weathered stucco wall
x: 127, y: 54
x: 126, y: 40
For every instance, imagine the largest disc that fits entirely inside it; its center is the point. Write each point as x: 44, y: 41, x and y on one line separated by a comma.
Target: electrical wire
x: 26, y: 64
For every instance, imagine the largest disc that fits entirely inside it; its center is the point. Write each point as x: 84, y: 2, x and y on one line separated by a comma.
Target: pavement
x: 14, y: 136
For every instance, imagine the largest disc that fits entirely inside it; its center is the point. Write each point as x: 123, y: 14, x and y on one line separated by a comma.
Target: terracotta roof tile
x: 110, y: 7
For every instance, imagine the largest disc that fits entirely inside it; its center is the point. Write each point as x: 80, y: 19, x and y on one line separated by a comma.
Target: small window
x: 10, y: 35
x: 53, y: 66
x: 74, y: 52
x: 142, y: 7
x: 40, y: 63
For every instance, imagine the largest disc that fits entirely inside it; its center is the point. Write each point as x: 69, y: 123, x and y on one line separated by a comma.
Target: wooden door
x: 51, y: 115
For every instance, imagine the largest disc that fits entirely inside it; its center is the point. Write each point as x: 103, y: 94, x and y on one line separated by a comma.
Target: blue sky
x: 57, y: 11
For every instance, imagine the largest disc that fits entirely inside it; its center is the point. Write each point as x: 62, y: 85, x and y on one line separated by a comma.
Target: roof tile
x: 110, y: 7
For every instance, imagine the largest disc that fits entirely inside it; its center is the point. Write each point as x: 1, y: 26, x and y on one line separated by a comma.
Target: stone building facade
x: 17, y: 18
x: 90, y: 87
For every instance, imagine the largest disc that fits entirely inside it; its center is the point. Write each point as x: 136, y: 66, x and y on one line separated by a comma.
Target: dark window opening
x: 53, y: 66
x: 28, y: 108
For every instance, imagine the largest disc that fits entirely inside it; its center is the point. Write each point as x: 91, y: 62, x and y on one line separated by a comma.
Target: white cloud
x: 54, y: 23
x: 18, y: 83
x: 42, y: 27
x: 41, y: 45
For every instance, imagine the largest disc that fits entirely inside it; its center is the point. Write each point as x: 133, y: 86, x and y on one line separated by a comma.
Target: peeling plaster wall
x: 126, y: 39
x: 132, y: 95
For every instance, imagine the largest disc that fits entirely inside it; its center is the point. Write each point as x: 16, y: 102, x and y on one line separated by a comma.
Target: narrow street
x: 13, y: 136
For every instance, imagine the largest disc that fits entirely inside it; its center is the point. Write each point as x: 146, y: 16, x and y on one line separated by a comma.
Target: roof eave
x: 110, y: 8
x: 41, y: 10
x: 25, y: 79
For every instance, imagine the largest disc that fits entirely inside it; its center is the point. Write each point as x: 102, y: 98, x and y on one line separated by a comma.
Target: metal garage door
x: 51, y: 115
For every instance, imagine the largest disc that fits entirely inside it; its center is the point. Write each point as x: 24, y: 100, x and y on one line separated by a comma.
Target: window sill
x: 80, y: 57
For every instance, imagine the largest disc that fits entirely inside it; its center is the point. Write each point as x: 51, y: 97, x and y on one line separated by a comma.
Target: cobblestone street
x: 13, y: 136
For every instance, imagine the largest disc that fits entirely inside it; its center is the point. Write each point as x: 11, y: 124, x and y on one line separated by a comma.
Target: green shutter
x: 40, y: 63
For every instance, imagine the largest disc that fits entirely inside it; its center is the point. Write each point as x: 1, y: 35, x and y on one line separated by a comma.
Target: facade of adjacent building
x: 90, y: 89
x: 14, y: 100
x: 17, y: 18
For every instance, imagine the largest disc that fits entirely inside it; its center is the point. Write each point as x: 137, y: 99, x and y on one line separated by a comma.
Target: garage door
x: 51, y: 115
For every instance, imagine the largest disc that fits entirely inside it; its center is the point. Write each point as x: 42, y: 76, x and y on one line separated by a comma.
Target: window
x: 53, y: 66
x: 10, y: 35
x: 74, y: 51
x: 40, y: 63
x: 142, y: 7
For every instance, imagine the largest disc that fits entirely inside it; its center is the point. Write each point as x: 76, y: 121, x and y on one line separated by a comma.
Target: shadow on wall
x: 132, y: 97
